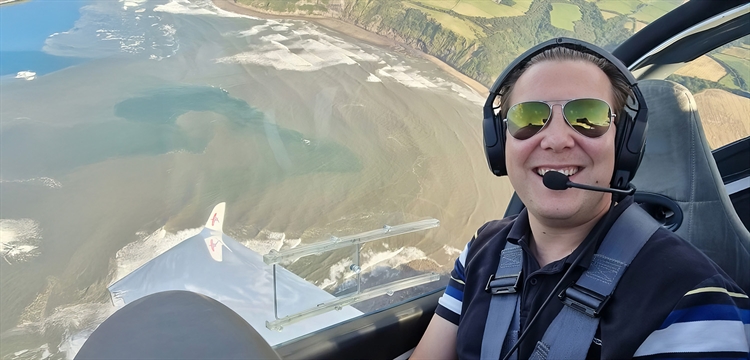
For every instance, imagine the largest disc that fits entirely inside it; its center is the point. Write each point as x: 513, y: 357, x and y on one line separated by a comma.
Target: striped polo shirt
x: 672, y: 302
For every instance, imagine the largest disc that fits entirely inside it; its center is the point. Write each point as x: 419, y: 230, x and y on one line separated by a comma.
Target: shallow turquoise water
x: 24, y: 28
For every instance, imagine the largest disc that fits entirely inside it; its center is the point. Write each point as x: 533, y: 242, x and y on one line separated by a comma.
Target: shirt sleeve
x: 710, y: 321
x: 449, y: 305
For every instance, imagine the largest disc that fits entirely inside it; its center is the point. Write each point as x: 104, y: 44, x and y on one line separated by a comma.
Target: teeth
x: 566, y: 171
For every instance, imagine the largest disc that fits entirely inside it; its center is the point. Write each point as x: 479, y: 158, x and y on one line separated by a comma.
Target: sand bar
x: 355, y: 32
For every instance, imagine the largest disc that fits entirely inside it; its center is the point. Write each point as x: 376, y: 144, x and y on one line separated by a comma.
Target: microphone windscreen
x: 555, y: 180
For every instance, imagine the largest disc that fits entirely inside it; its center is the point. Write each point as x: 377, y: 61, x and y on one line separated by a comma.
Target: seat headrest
x: 678, y: 164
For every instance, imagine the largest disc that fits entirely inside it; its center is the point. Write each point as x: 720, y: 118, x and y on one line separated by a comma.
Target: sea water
x: 24, y: 29
x: 174, y: 106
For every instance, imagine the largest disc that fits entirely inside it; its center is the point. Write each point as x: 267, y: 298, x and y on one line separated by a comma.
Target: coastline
x: 355, y: 32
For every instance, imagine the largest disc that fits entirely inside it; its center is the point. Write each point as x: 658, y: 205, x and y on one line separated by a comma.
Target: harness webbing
x: 499, y: 320
x: 571, y: 332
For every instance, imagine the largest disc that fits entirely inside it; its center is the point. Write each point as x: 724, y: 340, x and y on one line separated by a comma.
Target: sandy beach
x: 355, y: 32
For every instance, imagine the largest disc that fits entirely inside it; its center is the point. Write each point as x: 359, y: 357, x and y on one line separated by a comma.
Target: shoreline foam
x: 355, y: 32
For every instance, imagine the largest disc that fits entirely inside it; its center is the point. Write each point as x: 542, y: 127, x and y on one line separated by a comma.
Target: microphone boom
x: 555, y: 180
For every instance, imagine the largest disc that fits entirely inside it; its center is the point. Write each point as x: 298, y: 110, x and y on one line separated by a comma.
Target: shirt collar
x: 520, y: 231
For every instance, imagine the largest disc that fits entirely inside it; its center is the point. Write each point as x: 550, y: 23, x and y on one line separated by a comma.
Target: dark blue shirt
x: 672, y: 298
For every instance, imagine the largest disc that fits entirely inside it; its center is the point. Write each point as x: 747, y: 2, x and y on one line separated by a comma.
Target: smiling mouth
x: 567, y: 171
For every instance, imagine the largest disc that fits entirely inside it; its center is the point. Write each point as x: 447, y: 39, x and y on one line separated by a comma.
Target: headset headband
x: 631, y: 129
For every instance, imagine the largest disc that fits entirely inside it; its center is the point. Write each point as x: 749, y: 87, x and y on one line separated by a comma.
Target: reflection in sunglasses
x: 592, y: 117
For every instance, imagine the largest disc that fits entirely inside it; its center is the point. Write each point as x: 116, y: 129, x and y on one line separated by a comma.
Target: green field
x: 740, y: 67
x: 624, y: 7
x: 464, y: 28
x: 649, y: 13
x: 642, y: 10
x: 478, y: 8
x: 608, y: 15
x: 728, y: 81
x: 439, y: 4
x: 564, y: 15
x: 664, y: 5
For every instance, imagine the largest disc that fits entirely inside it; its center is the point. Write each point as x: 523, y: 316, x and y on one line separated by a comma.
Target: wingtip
x: 216, y: 218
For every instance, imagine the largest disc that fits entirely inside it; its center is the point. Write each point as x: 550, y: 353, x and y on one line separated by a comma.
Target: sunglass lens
x: 590, y: 117
x: 527, y: 118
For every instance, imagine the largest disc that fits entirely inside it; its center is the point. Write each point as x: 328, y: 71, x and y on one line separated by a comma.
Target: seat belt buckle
x: 584, y: 300
x: 506, y: 284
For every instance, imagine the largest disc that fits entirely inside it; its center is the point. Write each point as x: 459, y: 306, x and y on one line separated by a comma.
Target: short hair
x: 620, y: 86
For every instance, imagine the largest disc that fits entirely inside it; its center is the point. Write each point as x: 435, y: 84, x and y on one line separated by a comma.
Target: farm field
x: 488, y: 8
x: 645, y: 11
x: 649, y: 13
x: 724, y: 116
x: 741, y: 69
x: 703, y: 67
x: 461, y: 27
x: 564, y: 15
x: 608, y: 15
x: 738, y: 52
x: 624, y: 7
x: 479, y: 8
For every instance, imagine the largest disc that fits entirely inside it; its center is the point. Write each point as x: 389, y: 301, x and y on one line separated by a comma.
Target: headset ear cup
x: 494, y: 145
x: 627, y: 161
x: 623, y: 128
x: 502, y: 169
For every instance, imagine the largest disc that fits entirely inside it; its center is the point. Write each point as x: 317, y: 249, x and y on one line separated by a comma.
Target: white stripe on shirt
x: 716, y: 289
x: 450, y: 303
x: 462, y: 257
x: 696, y: 337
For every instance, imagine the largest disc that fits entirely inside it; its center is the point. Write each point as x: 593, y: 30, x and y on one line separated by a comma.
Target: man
x: 671, y: 301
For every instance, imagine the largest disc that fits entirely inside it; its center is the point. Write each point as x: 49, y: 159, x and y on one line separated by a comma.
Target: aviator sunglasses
x: 588, y: 117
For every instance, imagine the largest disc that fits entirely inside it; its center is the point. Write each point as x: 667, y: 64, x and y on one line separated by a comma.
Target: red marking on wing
x: 213, y: 245
x: 214, y: 219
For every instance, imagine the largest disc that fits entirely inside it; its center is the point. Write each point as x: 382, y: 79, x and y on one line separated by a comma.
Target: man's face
x: 559, y: 147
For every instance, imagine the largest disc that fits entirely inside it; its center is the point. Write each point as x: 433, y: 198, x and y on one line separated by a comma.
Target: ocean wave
x: 308, y: 54
x: 371, y: 261
x: 43, y: 180
x: 467, y: 93
x: 451, y: 251
x: 267, y: 240
x: 75, y: 323
x: 297, y: 46
x: 40, y: 353
x: 107, y: 28
x: 253, y: 30
x: 19, y: 240
x: 132, y: 3
x: 274, y: 37
x: 26, y: 75
x: 184, y: 7
x: 373, y: 78
x: 406, y: 76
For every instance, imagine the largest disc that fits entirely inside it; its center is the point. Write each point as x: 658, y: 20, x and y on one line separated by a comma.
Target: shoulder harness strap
x: 502, y: 323
x: 571, y: 332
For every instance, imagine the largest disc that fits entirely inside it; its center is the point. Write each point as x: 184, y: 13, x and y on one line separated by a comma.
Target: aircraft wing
x: 213, y: 264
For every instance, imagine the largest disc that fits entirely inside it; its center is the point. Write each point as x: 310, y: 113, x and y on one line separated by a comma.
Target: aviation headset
x: 630, y: 137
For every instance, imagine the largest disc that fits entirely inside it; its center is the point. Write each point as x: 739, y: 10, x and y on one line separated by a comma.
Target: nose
x: 558, y: 135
